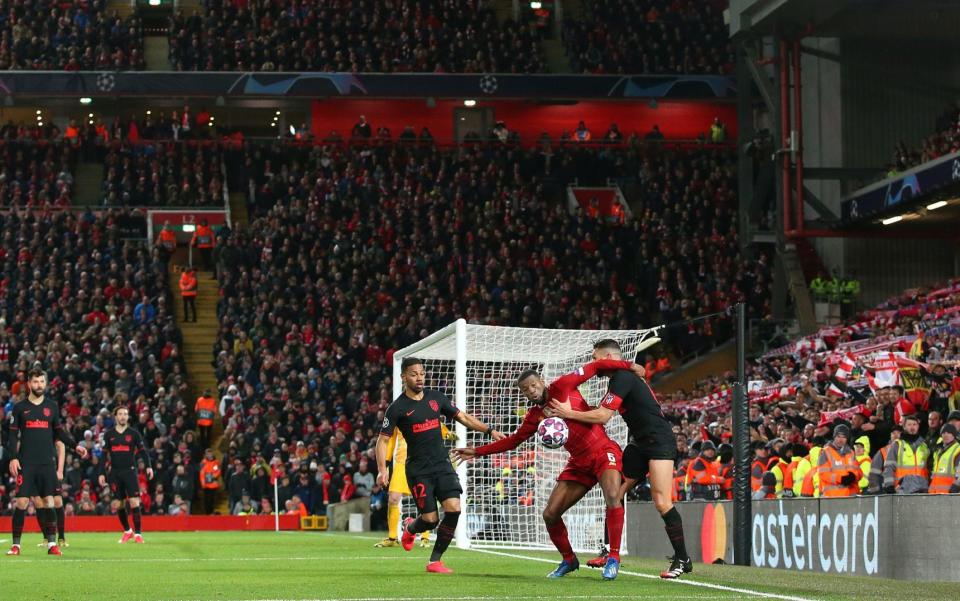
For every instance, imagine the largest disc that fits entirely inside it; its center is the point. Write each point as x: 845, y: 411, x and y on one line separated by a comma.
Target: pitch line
x: 217, y: 559
x: 500, y: 598
x: 697, y: 583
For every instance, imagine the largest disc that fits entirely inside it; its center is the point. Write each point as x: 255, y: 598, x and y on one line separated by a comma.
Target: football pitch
x: 245, y: 566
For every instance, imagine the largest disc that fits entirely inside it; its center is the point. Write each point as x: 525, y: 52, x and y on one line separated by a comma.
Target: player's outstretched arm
x: 598, y: 415
x: 502, y: 444
x: 476, y: 425
x: 581, y: 375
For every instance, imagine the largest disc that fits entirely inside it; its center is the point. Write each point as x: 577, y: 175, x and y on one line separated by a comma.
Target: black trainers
x: 677, y: 567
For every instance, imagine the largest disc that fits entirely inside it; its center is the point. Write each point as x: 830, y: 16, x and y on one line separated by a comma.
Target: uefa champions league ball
x: 553, y: 432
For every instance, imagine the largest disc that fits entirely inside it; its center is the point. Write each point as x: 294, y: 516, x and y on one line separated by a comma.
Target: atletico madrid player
x: 594, y: 458
x: 34, y: 424
x: 430, y: 474
x: 651, y: 450
x: 122, y: 443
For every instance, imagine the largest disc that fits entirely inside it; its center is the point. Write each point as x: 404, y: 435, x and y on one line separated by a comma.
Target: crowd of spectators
x: 443, y: 36
x: 874, y: 375
x: 356, y: 251
x: 649, y: 37
x: 36, y: 170
x: 944, y: 140
x: 93, y: 311
x: 163, y: 173
x: 73, y: 35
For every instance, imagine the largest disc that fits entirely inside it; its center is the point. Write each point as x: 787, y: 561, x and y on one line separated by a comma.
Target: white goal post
x: 504, y: 495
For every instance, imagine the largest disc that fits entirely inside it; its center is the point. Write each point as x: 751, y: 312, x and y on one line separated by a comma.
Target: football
x: 553, y: 432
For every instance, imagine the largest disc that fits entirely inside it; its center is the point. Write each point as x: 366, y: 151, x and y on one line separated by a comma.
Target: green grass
x: 244, y: 566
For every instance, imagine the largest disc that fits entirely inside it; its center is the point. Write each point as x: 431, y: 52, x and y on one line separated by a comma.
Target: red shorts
x: 587, y: 471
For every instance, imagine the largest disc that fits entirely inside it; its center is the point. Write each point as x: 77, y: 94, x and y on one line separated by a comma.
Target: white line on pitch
x: 218, y: 559
x: 718, y: 587
x: 512, y: 597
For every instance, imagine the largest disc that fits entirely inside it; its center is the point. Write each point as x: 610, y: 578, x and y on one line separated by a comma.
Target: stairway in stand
x: 198, y: 340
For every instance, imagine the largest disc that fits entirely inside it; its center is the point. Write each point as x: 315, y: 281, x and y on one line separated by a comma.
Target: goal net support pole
x: 504, y: 495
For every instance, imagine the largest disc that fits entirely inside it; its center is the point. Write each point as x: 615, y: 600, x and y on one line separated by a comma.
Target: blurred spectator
x: 363, y: 479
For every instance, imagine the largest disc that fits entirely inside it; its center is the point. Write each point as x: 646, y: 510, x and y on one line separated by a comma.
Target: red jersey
x: 585, y: 439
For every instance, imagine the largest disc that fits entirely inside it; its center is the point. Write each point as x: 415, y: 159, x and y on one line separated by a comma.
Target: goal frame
x: 459, y: 331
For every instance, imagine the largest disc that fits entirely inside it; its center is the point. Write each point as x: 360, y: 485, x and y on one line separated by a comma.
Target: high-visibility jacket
x: 188, y: 284
x: 168, y: 240
x: 876, y: 470
x: 756, y: 474
x: 833, y: 466
x: 946, y: 469
x: 209, y: 473
x: 203, y: 237
x: 788, y: 473
x: 206, y: 409
x: 810, y: 482
x: 703, y: 479
x: 864, y: 462
x: 679, y: 482
x: 776, y: 467
x: 906, y: 466
x: 726, y: 477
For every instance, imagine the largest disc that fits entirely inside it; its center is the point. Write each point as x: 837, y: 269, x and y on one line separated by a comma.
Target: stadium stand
x: 163, y: 174
x: 93, y: 310
x: 71, y: 36
x: 649, y: 37
x: 899, y: 359
x: 944, y: 140
x: 350, y: 242
x: 443, y: 36
x: 36, y: 173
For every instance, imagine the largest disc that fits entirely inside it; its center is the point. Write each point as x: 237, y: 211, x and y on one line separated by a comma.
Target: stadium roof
x: 927, y: 20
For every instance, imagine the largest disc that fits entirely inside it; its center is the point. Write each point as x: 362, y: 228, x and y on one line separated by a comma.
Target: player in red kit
x: 594, y: 458
x: 652, y: 448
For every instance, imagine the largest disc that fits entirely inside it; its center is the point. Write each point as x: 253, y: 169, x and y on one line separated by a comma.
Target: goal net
x: 504, y: 495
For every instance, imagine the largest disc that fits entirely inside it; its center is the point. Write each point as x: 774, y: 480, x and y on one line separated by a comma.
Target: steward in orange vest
x: 188, y: 292
x: 203, y: 236
x: 209, y: 480
x: 703, y: 476
x: 838, y: 468
x: 167, y: 240
x: 759, y: 466
x: 206, y: 409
